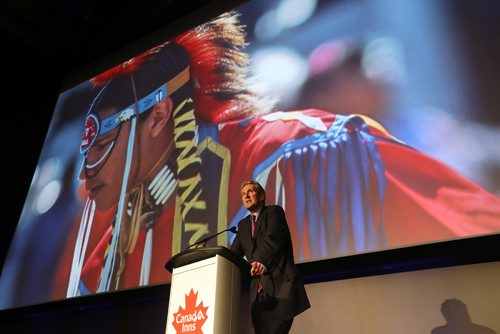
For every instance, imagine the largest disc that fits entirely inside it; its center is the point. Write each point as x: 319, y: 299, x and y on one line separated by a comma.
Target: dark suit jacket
x: 272, y: 246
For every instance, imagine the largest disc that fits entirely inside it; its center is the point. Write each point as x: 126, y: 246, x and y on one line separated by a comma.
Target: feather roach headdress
x: 204, y: 71
x: 222, y: 89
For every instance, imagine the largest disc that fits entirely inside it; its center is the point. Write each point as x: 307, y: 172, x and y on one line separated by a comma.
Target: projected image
x: 147, y: 158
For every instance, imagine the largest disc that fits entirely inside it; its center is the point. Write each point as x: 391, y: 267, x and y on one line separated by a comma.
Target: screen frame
x: 439, y: 254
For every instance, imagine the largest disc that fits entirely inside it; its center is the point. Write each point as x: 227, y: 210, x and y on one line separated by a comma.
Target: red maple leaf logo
x: 191, y: 318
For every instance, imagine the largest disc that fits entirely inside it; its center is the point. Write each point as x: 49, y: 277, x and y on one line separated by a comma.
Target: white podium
x: 205, y: 291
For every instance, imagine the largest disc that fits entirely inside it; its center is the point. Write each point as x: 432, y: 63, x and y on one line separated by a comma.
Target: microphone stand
x: 203, y: 242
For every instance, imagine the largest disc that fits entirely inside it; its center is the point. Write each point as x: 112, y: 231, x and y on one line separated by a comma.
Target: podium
x: 205, y: 291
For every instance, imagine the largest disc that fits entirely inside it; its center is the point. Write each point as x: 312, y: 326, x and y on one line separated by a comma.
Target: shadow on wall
x: 458, y: 320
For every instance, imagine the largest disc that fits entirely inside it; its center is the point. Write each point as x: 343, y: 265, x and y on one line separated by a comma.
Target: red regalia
x: 345, y: 183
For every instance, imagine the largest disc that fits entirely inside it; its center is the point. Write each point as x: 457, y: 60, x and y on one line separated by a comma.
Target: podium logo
x: 192, y: 317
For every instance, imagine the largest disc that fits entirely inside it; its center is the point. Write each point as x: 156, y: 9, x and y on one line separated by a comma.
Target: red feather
x: 127, y: 67
x: 218, y: 68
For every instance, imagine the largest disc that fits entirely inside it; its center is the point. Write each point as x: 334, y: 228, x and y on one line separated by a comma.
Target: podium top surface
x: 197, y: 254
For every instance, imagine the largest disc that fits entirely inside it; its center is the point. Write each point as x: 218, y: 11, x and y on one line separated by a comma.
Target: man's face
x: 251, y: 198
x: 104, y: 181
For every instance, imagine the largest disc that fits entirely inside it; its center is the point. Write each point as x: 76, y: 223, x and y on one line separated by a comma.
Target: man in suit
x: 277, y: 293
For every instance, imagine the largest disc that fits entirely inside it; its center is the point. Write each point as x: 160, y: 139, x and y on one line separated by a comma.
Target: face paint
x: 96, y: 157
x: 94, y: 129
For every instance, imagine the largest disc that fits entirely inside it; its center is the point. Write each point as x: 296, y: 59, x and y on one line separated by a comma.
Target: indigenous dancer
x: 172, y: 133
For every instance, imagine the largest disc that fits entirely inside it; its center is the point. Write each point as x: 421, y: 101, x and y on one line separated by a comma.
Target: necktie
x: 252, y: 218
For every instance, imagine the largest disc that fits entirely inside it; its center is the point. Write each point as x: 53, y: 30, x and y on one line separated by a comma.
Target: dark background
x: 45, y: 42
x: 45, y: 45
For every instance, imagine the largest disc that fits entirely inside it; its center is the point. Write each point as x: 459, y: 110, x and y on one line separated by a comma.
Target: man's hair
x: 257, y: 186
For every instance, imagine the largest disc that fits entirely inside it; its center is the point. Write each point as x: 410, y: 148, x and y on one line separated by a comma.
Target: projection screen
x: 361, y: 124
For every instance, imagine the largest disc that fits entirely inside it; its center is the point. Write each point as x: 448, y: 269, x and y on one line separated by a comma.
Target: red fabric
x: 162, y: 251
x: 425, y: 200
x: 433, y: 201
x: 256, y: 142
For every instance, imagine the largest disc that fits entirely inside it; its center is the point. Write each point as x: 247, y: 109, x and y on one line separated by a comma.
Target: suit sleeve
x: 273, y: 236
x: 236, y: 246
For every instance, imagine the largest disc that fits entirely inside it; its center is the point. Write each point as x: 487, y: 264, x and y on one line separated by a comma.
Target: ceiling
x: 73, y: 33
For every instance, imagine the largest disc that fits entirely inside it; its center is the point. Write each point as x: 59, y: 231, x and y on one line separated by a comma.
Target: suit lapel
x: 245, y: 234
x: 248, y: 227
x: 260, y: 220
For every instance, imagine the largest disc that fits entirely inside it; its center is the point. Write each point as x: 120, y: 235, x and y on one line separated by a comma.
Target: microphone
x: 203, y: 242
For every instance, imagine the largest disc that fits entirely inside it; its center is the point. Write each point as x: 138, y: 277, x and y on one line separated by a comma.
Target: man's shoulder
x: 298, y: 120
x: 243, y: 219
x: 310, y: 119
x: 279, y: 127
x: 274, y: 208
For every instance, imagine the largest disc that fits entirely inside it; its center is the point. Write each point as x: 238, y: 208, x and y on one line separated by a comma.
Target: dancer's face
x: 104, y: 166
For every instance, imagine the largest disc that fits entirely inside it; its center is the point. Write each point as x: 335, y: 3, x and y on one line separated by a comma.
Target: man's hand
x: 257, y: 269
